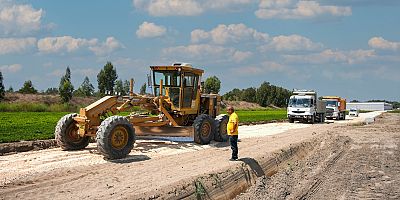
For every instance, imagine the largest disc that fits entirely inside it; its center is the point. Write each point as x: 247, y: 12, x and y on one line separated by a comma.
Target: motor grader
x: 178, y: 108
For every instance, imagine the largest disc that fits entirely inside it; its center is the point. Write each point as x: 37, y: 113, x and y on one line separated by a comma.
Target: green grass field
x: 18, y: 126
x: 261, y: 115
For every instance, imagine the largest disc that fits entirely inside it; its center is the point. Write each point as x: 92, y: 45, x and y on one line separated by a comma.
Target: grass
x: 261, y: 115
x: 18, y: 126
x: 394, y: 111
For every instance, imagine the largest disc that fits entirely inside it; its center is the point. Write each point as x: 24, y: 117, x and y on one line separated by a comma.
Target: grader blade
x: 170, y: 131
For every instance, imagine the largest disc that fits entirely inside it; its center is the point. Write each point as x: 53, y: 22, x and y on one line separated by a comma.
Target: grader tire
x: 204, y: 129
x: 66, y: 134
x: 221, y: 123
x: 115, y: 137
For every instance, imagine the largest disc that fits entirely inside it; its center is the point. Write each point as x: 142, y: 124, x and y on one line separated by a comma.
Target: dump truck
x: 304, y: 106
x: 335, y: 107
x: 178, y: 108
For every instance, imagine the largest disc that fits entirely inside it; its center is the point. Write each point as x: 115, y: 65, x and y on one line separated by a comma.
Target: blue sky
x: 349, y: 48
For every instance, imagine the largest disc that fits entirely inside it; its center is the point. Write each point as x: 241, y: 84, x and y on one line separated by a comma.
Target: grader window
x: 171, y: 85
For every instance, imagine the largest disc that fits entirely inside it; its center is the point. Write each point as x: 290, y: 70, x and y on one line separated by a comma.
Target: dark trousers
x: 233, y: 140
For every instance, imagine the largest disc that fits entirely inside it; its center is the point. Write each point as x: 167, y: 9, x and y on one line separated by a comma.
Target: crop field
x: 18, y: 126
x: 261, y: 115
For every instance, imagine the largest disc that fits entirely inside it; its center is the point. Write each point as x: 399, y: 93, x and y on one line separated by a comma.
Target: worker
x: 232, y: 131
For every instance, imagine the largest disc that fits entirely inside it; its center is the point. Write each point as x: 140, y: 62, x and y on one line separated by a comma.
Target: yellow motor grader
x: 177, y: 109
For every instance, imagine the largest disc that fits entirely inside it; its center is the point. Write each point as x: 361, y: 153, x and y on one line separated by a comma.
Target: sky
x: 348, y: 48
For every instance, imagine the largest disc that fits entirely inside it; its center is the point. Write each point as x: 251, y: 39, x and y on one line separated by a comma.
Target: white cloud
x: 239, y: 56
x: 223, y: 34
x: 69, y: 44
x: 206, y: 51
x: 16, y: 45
x: 330, y: 56
x: 380, y: 43
x: 187, y: 7
x: 223, y: 4
x: 110, y: 45
x: 19, y: 19
x: 169, y: 7
x: 291, y: 43
x: 150, y: 30
x: 298, y: 9
x: 11, y: 68
x: 63, y: 43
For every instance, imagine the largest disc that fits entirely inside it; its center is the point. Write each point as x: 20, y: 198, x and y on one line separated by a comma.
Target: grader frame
x: 178, y: 108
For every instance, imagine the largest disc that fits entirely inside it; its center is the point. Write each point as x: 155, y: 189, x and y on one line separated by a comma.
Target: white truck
x: 304, y: 106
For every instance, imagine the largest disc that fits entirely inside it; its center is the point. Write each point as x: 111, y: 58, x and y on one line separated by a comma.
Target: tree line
x: 266, y: 94
x: 107, y: 83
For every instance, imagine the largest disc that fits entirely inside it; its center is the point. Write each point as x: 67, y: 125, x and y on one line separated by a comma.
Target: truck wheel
x: 312, y: 120
x: 204, y: 129
x: 221, y: 125
x: 66, y: 134
x: 115, y: 137
x: 291, y: 120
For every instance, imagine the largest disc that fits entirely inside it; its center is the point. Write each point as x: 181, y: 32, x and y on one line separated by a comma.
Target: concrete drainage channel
x: 232, y: 181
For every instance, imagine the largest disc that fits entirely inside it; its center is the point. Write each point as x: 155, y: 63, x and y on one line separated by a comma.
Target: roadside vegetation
x: 395, y: 111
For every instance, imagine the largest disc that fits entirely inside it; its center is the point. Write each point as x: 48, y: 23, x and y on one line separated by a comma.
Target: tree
x: 2, y: 90
x: 233, y: 95
x: 143, y: 89
x: 249, y: 95
x: 66, y: 88
x: 27, y: 88
x: 51, y: 91
x: 119, y: 88
x: 212, y: 85
x: 86, y: 89
x: 262, y: 94
x: 106, y: 79
x: 10, y: 89
x: 127, y: 86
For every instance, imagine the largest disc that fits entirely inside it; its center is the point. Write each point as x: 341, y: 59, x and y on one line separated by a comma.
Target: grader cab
x: 178, y: 109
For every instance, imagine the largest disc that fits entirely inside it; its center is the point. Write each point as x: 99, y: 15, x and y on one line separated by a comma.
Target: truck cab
x: 304, y: 106
x: 335, y: 107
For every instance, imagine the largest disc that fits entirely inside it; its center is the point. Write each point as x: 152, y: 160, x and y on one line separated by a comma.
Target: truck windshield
x: 299, y: 102
x: 331, y: 103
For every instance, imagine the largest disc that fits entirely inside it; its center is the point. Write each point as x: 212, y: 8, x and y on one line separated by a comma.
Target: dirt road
x: 153, y: 166
x: 367, y: 167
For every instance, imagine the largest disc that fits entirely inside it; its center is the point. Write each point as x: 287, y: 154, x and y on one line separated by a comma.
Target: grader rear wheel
x: 221, y: 133
x: 66, y: 134
x: 204, y: 129
x: 115, y: 137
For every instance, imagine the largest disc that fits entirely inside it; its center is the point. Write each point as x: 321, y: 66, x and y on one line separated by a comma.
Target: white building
x: 371, y: 106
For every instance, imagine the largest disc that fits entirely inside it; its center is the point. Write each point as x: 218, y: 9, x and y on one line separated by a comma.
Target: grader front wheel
x: 66, y: 134
x: 115, y: 137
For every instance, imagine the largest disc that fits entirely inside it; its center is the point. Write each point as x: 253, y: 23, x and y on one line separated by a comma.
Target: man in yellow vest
x: 232, y: 131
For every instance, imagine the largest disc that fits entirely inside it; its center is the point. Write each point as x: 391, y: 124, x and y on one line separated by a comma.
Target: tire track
x: 320, y: 177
